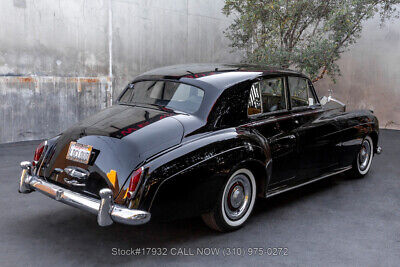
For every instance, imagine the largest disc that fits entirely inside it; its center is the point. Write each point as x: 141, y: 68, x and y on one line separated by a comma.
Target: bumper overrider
x: 106, y: 210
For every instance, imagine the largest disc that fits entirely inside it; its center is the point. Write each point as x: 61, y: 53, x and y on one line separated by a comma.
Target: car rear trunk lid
x: 121, y: 139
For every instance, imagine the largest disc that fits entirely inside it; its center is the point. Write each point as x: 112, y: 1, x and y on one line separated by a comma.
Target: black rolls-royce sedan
x: 201, y: 139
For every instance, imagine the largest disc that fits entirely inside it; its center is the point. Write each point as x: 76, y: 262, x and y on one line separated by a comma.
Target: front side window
x: 267, y: 96
x: 172, y: 95
x: 273, y: 94
x: 300, y: 92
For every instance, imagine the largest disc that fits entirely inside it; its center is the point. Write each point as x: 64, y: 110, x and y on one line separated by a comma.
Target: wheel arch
x: 261, y: 172
x: 375, y: 138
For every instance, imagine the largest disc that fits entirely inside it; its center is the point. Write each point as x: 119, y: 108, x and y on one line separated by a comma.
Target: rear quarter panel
x: 187, y: 180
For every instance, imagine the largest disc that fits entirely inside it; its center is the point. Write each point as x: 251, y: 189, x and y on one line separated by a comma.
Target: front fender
x: 356, y: 125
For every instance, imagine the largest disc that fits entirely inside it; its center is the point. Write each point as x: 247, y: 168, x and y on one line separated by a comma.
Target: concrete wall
x: 55, y: 56
x: 370, y: 73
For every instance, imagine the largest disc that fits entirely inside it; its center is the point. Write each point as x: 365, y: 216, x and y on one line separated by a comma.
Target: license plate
x: 79, y: 152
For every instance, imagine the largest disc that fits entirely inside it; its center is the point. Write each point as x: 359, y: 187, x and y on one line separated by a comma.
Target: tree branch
x: 321, y: 75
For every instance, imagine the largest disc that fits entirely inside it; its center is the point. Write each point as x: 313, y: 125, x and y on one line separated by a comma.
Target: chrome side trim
x: 107, y: 212
x: 308, y: 182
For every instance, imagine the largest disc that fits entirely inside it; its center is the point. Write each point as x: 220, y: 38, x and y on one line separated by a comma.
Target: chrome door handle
x: 296, y: 121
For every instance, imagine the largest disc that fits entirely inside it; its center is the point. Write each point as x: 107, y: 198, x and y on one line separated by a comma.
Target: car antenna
x: 190, y: 72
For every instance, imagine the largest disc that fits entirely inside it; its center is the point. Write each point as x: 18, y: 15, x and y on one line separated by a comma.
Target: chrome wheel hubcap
x: 237, y: 197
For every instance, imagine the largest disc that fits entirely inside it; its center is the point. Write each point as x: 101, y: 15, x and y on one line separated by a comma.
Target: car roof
x: 218, y: 75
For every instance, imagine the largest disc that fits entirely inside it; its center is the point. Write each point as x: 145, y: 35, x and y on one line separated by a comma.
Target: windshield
x: 172, y: 95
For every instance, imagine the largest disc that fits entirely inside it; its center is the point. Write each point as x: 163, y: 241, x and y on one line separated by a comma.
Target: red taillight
x: 38, y: 152
x: 135, y: 179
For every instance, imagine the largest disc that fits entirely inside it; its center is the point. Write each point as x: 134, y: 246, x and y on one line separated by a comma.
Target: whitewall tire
x: 363, y: 160
x: 235, y: 202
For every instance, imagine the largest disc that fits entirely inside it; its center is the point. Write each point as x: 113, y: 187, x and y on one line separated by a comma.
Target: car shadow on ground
x: 76, y: 231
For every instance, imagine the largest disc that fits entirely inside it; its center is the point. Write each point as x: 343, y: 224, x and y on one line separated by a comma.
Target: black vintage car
x: 201, y: 140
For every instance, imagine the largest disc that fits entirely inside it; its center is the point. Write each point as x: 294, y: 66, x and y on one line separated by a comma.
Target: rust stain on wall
x: 41, y: 79
x: 89, y: 80
x: 73, y: 79
x: 26, y: 79
x: 55, y: 102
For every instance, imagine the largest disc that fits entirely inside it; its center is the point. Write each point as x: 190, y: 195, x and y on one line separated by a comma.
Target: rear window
x: 172, y: 95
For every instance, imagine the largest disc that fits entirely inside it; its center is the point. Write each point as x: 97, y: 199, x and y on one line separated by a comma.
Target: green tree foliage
x: 309, y: 35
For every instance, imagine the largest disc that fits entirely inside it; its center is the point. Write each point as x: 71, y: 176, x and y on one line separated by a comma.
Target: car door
x: 269, y: 115
x: 318, y: 136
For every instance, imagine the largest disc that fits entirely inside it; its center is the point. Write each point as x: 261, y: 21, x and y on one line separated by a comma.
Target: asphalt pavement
x: 335, y: 222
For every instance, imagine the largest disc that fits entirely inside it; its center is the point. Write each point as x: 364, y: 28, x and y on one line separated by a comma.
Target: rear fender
x: 189, y: 178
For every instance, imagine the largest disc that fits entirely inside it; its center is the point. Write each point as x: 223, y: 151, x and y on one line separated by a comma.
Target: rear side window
x: 300, y: 92
x: 267, y: 96
x: 254, y: 106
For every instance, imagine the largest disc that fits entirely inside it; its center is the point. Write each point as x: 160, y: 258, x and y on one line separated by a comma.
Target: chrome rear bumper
x: 107, y: 212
